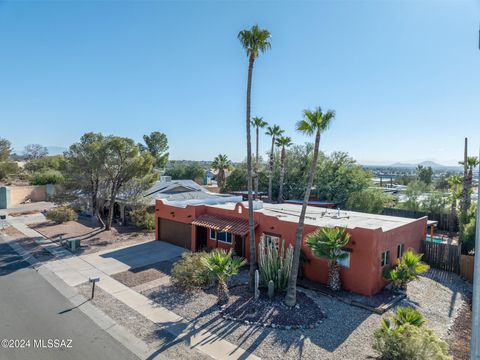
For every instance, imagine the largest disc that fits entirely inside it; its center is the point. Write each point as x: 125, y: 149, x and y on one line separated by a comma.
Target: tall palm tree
x: 257, y: 123
x: 220, y: 164
x: 283, y: 142
x: 328, y: 243
x: 456, y: 189
x: 314, y: 123
x: 273, y: 131
x: 254, y: 41
x: 471, y: 163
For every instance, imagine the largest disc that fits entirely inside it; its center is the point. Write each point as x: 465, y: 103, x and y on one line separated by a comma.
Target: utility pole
x: 475, y: 341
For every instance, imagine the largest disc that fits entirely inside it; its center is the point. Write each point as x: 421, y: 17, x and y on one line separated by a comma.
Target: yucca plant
x: 328, y: 243
x: 275, y: 263
x: 221, y: 265
x: 408, y: 268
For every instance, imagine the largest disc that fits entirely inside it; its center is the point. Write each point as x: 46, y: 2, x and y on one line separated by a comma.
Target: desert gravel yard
x: 93, y: 238
x: 142, y: 328
x: 345, y: 333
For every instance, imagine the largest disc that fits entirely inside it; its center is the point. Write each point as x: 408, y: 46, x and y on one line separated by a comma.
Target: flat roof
x: 323, y: 217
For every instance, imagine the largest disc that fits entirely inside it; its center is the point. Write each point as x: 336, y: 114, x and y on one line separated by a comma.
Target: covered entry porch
x: 216, y: 231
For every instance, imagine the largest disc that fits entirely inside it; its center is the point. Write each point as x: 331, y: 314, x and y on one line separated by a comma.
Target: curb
x: 136, y: 346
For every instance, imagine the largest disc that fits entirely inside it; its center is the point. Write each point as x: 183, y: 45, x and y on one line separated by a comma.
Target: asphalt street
x: 40, y: 324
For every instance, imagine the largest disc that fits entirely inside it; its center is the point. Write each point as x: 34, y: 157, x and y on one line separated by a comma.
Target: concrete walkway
x: 75, y: 270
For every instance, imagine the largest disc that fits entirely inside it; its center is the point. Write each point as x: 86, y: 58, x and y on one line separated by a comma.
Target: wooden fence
x: 442, y: 256
x: 443, y: 219
x: 466, y: 267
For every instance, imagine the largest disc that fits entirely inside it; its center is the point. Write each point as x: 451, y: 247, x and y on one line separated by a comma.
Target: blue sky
x: 403, y: 76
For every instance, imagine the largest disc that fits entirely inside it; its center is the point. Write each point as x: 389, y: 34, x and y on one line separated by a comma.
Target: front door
x: 239, y: 246
x: 201, y: 238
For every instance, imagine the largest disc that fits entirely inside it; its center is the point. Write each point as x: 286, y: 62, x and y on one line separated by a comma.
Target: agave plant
x: 221, y: 265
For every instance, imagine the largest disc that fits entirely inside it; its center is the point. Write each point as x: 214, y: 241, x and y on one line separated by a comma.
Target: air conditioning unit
x: 165, y: 178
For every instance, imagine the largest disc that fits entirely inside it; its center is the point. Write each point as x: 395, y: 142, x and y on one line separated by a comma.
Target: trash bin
x: 73, y: 244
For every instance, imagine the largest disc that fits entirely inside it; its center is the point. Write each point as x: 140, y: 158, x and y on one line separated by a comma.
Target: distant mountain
x: 427, y: 163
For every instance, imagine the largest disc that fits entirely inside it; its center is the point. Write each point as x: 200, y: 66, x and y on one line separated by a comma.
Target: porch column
x: 194, y: 238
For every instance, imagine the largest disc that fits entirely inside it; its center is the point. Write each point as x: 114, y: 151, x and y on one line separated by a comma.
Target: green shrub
x: 407, y: 269
x: 55, y: 162
x: 47, y: 177
x: 143, y: 219
x: 7, y: 168
x: 61, y: 214
x: 190, y: 272
x: 404, y: 336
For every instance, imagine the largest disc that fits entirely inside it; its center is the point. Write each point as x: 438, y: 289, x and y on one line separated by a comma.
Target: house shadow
x: 145, y: 253
x: 10, y: 261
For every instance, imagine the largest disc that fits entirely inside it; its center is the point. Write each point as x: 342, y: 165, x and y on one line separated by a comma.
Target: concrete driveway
x: 118, y: 260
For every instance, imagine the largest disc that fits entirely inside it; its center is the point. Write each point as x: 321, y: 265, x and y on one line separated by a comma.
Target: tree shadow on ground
x: 250, y: 337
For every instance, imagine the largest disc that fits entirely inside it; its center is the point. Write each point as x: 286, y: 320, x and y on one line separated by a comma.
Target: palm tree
x: 220, y: 164
x: 407, y: 269
x: 283, y: 142
x: 456, y: 188
x: 314, y: 123
x: 221, y: 265
x: 254, y: 41
x: 273, y: 131
x: 257, y: 123
x: 328, y: 243
x: 472, y: 163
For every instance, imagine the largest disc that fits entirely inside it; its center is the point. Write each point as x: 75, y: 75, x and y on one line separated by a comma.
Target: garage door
x: 176, y: 233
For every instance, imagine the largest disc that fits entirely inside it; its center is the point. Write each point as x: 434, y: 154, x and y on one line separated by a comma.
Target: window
x: 400, y: 249
x: 225, y: 237
x: 221, y: 236
x: 385, y: 258
x: 213, y: 234
x: 272, y: 239
x: 346, y: 261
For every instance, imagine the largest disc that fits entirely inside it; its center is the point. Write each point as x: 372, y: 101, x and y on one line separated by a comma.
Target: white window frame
x: 227, y: 234
x: 272, y: 238
x: 345, y: 263
x: 385, y: 258
x: 215, y: 232
x: 400, y: 250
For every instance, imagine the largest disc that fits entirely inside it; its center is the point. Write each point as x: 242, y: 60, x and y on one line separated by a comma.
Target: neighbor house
x: 168, y: 190
x: 376, y: 241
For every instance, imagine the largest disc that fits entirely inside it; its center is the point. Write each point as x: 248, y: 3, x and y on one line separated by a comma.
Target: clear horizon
x: 402, y: 76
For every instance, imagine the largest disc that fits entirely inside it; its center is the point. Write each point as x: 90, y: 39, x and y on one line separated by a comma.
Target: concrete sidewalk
x: 75, y: 270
